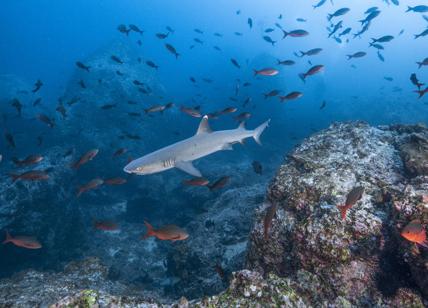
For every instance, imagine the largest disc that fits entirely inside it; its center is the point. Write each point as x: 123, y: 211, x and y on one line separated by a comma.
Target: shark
x: 180, y: 155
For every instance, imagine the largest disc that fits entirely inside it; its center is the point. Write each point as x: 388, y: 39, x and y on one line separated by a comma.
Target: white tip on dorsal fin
x: 242, y: 125
x: 204, y: 127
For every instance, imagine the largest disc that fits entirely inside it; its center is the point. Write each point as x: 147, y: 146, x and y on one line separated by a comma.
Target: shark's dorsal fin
x: 242, y: 125
x: 204, y: 127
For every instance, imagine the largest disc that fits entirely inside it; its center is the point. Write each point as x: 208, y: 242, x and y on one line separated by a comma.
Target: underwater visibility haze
x: 214, y: 153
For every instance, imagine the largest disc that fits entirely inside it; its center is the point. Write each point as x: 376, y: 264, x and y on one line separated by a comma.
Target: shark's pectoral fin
x: 227, y: 146
x: 188, y: 167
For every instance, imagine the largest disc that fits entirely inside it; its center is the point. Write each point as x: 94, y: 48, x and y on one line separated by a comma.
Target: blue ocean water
x: 43, y: 40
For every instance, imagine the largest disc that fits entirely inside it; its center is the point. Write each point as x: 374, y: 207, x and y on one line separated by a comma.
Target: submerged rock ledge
x: 311, y: 257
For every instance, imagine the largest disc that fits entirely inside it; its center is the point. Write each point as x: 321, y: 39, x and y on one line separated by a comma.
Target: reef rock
x: 362, y: 258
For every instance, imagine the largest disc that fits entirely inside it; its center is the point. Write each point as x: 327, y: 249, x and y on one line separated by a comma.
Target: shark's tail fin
x: 259, y: 130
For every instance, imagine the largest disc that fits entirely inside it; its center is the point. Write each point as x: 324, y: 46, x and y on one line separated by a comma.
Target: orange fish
x: 353, y: 197
x: 95, y: 183
x: 414, y: 232
x: 115, y: 181
x: 85, y: 158
x: 106, y: 225
x: 166, y: 233
x: 28, y: 242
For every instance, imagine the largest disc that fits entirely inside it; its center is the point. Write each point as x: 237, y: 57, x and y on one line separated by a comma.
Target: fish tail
x: 14, y: 177
x: 285, y: 34
x: 416, y: 36
x: 255, y: 72
x: 409, y: 8
x: 343, y: 209
x: 16, y: 161
x: 273, y: 43
x: 424, y: 244
x: 150, y: 230
x: 8, y: 238
x: 349, y: 57
x: 329, y: 17
x: 303, y: 77
x: 419, y: 63
x: 177, y: 55
x: 259, y: 130
x: 79, y: 192
x: 302, y: 53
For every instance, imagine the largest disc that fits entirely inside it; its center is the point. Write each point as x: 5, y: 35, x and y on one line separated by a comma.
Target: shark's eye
x: 139, y: 169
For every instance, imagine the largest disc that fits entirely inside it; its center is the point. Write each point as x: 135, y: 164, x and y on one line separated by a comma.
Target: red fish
x: 93, y: 184
x: 28, y: 242
x: 353, y: 197
x: 85, y: 158
x: 266, y: 72
x: 414, y: 232
x: 106, y: 225
x: 166, y: 233
x: 193, y: 112
x: 312, y: 71
x: 115, y: 181
x: 196, y: 182
x: 34, y: 175
x: 29, y: 160
x: 290, y: 96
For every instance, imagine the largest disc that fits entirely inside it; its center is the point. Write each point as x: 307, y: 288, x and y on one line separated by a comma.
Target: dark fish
x: 34, y: 175
x: 312, y: 71
x: 269, y: 40
x: 123, y: 29
x: 415, y: 81
x: 353, y: 197
x: 323, y: 104
x: 272, y: 93
x: 257, y: 167
x: 116, y: 59
x: 169, y: 29
x: 37, y: 101
x: 383, y: 39
x: 152, y: 64
x: 155, y: 108
x: 370, y: 17
x: 135, y: 29
x: 10, y: 140
x: 423, y: 63
x: 198, y: 31
x: 82, y: 66
x: 422, y: 92
x: 423, y: 33
x: 220, y: 183
x: 18, y: 106
x: 267, y: 223
x: 379, y: 55
x: 286, y: 62
x: 291, y: 96
x: 45, y: 119
x: 301, y: 19
x: 218, y: 34
x: 269, y: 30
x: 120, y: 151
x: 134, y: 114
x: 359, y: 54
x: 37, y: 86
x: 243, y: 116
x: 377, y: 46
x: 172, y: 50
x: 388, y: 78
x: 220, y: 271
x: 162, y: 35
x: 371, y: 10
x: 311, y: 52
x: 418, y: 9
x: 338, y: 13
x: 295, y: 33
x: 61, y: 110
x: 108, y: 106
x: 217, y: 48
x: 119, y: 73
x: 345, y: 32
x: 235, y: 63
x: 238, y: 33
x: 319, y: 4
x: 250, y: 22
x: 82, y: 84
x: 335, y: 28
x: 228, y: 110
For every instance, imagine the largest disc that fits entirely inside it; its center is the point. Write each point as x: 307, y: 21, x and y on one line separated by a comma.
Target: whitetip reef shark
x: 181, y: 154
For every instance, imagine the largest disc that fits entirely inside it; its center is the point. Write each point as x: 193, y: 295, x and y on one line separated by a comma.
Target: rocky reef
x: 309, y: 257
